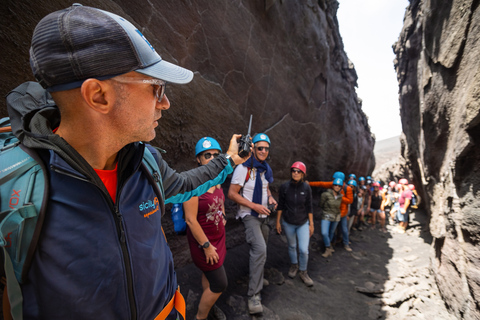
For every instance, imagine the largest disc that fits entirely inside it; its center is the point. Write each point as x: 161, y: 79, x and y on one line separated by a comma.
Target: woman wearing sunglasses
x: 205, y: 217
x: 295, y: 213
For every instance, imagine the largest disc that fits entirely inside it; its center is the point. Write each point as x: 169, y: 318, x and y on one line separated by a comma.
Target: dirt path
x: 386, y: 277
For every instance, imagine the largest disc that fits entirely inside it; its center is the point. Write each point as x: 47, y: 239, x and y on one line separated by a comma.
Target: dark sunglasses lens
x: 296, y: 171
x: 263, y: 148
x: 208, y: 155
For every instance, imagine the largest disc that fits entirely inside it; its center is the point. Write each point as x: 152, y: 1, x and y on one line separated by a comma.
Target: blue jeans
x: 301, y: 232
x: 328, y: 231
x: 344, y: 224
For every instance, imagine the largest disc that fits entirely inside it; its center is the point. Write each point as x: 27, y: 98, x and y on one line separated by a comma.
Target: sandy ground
x: 387, y: 276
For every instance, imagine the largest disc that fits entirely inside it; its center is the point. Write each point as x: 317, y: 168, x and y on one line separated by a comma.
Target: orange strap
x: 5, y: 129
x: 178, y: 302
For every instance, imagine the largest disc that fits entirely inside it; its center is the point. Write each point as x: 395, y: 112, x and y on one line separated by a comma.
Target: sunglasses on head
x: 296, y: 171
x: 263, y: 148
x: 208, y: 155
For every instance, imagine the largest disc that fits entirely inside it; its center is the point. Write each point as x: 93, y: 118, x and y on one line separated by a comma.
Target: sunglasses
x: 296, y: 171
x: 157, y: 84
x: 208, y: 155
x: 263, y: 148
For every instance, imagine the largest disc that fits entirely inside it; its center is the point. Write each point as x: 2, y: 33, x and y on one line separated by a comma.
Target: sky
x: 369, y: 28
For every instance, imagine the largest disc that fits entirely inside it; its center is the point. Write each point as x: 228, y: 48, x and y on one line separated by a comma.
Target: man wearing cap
x: 250, y: 189
x: 101, y: 253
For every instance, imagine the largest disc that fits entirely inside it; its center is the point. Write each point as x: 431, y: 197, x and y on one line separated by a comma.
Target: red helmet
x: 392, y: 184
x: 403, y: 181
x: 299, y: 165
x: 411, y: 187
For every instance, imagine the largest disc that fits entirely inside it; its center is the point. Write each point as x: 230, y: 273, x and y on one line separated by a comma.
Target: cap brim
x: 168, y: 71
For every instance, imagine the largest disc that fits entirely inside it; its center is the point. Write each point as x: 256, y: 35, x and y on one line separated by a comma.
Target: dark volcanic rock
x: 438, y: 72
x: 282, y: 61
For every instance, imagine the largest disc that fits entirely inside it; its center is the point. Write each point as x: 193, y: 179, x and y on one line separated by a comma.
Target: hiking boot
x: 216, y: 314
x: 327, y: 253
x: 293, y: 271
x: 305, y: 278
x: 265, y: 282
x: 347, y: 247
x: 255, y: 304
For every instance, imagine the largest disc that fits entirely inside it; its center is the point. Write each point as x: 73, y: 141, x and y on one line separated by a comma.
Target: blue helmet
x: 261, y: 137
x: 352, y: 183
x: 361, y: 179
x: 338, y: 182
x: 206, y: 143
x: 369, y: 178
x: 339, y: 175
x: 351, y: 175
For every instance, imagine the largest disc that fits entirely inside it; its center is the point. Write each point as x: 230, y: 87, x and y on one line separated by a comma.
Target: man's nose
x: 164, y: 104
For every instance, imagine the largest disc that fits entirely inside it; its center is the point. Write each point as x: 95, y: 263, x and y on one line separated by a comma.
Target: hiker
x: 361, y: 182
x: 250, y: 189
x: 360, y: 209
x: 353, y: 207
x: 101, y: 253
x: 374, y: 207
x: 389, y: 200
x: 415, y: 197
x: 330, y: 201
x: 404, y: 202
x: 295, y: 213
x: 347, y: 199
x: 205, y: 217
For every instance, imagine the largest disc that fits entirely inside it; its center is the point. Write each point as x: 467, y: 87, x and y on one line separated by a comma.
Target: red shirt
x: 109, y: 179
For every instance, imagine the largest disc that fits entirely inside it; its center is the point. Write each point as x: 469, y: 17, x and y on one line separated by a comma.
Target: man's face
x: 137, y: 109
x: 261, y: 150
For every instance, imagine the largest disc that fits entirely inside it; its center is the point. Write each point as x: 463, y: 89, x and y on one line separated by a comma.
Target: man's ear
x: 99, y: 95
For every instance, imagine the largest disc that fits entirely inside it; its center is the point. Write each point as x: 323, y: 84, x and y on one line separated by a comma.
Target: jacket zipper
x: 120, y: 231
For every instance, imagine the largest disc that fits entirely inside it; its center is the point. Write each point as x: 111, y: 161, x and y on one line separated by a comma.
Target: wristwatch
x: 205, y: 245
x: 229, y: 158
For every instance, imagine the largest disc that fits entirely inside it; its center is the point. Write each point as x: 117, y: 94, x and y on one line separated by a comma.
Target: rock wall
x: 438, y: 72
x: 282, y: 61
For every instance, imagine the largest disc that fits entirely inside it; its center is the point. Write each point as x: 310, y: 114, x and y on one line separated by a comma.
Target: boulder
x: 437, y: 68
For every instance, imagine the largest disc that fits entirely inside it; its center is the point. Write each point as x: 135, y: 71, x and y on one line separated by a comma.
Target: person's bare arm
x: 234, y: 194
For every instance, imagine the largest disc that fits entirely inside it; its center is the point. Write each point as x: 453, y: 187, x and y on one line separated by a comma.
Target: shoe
x: 255, y: 304
x: 347, y: 247
x: 265, y: 282
x: 216, y: 313
x: 305, y: 278
x: 327, y: 253
x: 293, y: 271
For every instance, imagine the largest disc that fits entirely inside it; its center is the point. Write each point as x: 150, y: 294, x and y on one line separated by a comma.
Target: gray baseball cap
x: 80, y: 42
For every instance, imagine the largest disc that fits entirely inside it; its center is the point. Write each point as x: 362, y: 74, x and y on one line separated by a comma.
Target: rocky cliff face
x: 438, y: 72
x: 282, y: 61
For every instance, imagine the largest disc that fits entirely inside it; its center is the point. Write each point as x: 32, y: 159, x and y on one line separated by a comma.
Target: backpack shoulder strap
x: 22, y: 209
x: 151, y: 165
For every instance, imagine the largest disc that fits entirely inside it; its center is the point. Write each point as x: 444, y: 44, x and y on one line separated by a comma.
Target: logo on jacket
x: 150, y: 206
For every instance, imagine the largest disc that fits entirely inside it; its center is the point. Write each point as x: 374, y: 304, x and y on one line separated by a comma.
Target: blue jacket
x: 97, y: 259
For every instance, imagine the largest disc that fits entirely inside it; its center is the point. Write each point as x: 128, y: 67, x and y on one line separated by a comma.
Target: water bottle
x: 179, y: 224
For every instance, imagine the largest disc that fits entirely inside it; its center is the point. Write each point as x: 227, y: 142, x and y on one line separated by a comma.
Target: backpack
x: 22, y: 210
